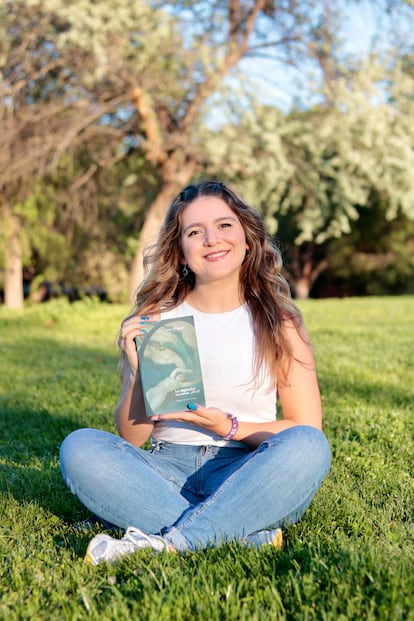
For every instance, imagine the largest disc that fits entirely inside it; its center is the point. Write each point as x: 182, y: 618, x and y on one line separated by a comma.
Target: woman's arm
x: 130, y: 417
x: 299, y: 396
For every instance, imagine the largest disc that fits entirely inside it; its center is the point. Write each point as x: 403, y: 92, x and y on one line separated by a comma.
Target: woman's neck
x: 214, y: 299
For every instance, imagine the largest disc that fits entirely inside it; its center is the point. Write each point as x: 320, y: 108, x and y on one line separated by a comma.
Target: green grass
x: 351, y: 557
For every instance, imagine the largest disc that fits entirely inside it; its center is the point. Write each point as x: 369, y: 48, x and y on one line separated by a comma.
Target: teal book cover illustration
x: 169, y: 366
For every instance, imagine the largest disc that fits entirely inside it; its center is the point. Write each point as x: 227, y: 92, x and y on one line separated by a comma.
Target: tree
x: 71, y: 73
x: 63, y: 88
x: 311, y: 172
x: 89, y: 83
x: 362, y: 147
x: 218, y: 36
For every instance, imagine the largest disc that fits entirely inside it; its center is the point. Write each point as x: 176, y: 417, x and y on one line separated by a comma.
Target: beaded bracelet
x: 234, y: 427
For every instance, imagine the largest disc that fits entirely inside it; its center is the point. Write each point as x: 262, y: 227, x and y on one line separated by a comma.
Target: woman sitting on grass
x: 230, y: 470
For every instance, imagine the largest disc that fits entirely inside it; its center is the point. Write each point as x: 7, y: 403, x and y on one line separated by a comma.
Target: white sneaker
x: 104, y: 548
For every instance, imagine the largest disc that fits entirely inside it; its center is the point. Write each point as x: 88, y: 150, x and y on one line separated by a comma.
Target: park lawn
x: 352, y: 555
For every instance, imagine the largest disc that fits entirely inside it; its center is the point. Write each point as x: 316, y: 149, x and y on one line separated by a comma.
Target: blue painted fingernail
x: 145, y: 318
x: 191, y: 406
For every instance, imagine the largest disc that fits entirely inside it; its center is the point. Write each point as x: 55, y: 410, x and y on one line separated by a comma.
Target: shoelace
x: 134, y: 535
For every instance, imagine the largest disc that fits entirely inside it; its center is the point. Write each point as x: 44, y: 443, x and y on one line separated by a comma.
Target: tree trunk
x: 302, y: 288
x: 306, y: 280
x: 13, y: 281
x: 154, y: 218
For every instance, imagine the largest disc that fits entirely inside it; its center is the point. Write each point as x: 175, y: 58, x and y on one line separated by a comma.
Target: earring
x: 185, y: 271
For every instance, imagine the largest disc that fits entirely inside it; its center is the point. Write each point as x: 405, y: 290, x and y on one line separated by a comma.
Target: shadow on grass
x: 49, y: 389
x: 383, y: 394
x: 29, y: 460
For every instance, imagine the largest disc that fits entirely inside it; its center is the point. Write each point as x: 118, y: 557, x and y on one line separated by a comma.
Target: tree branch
x: 11, y: 90
x: 238, y: 45
x: 83, y: 178
x: 153, y: 146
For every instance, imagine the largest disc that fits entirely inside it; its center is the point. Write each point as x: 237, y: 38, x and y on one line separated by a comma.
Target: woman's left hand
x: 213, y: 419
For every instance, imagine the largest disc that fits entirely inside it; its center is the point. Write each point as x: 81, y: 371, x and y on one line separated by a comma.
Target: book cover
x: 169, y: 366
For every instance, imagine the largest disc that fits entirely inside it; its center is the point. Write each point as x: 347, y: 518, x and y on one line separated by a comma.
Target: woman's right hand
x: 132, y: 328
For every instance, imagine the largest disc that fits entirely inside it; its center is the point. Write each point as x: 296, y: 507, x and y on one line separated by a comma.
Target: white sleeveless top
x: 226, y: 348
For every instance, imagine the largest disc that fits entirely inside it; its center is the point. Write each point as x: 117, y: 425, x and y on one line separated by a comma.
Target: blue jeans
x: 196, y: 496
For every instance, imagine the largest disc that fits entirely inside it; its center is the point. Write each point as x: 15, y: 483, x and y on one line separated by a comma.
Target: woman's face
x: 213, y: 241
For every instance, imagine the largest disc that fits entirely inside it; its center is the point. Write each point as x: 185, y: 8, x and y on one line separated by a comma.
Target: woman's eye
x: 224, y: 225
x: 193, y: 232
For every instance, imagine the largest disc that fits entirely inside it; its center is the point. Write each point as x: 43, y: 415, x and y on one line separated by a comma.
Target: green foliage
x: 376, y: 258
x: 105, y: 105
x: 351, y: 557
x: 316, y: 167
x: 313, y: 172
x: 39, y: 235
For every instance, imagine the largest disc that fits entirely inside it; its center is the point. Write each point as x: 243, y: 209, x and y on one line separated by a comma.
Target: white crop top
x: 226, y: 348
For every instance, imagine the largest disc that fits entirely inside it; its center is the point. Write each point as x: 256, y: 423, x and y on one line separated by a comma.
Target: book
x: 169, y: 365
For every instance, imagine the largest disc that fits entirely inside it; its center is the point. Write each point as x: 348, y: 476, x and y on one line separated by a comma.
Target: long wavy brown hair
x: 262, y: 284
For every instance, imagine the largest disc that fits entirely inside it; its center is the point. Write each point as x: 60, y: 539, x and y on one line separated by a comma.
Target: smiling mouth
x: 216, y: 256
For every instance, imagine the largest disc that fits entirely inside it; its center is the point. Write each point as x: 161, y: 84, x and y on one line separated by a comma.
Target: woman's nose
x: 210, y: 237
